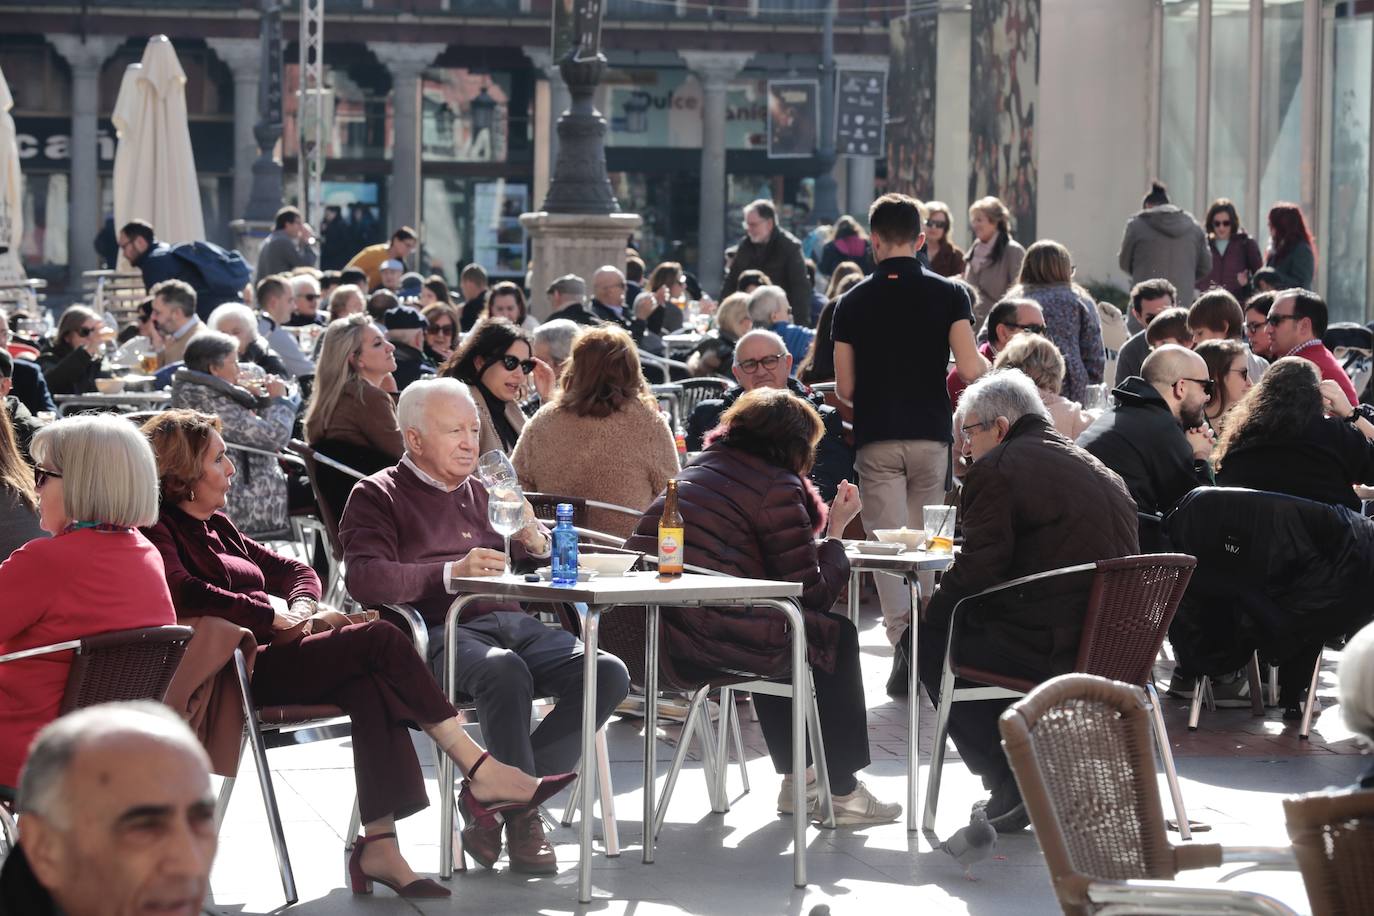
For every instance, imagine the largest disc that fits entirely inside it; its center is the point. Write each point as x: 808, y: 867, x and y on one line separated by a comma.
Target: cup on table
x: 939, y: 525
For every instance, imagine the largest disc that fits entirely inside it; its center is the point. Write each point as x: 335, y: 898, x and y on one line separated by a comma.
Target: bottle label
x: 670, y: 542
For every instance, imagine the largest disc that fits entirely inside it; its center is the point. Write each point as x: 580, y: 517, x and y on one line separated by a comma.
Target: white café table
x: 906, y: 564
x: 125, y: 400
x: 600, y: 595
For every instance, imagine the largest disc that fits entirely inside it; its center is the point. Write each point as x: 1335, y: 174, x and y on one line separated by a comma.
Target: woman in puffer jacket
x: 749, y: 511
x: 209, y: 382
x: 848, y: 244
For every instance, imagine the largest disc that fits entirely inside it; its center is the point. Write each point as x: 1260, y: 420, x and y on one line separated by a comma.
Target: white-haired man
x: 407, y: 532
x: 238, y: 321
x: 769, y: 308
x: 553, y: 341
x: 117, y: 817
x: 305, y: 298
x: 1032, y: 501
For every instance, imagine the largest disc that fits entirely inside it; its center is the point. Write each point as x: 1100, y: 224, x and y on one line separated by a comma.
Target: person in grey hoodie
x: 1162, y: 241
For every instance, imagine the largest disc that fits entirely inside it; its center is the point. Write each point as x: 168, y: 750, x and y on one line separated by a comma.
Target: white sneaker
x: 785, y: 797
x: 860, y: 809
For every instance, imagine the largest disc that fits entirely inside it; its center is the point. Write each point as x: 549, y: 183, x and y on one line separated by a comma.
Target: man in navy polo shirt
x: 894, y: 333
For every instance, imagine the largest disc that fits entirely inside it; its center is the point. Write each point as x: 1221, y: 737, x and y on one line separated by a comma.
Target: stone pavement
x: 1235, y: 770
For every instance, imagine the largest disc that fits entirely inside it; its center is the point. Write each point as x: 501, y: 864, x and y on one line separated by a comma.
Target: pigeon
x: 971, y: 844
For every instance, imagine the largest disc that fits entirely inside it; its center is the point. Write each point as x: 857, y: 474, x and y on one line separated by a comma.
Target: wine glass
x: 494, y: 469
x: 506, y: 512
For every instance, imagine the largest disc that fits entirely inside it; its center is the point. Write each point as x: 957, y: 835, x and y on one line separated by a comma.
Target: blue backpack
x: 224, y: 273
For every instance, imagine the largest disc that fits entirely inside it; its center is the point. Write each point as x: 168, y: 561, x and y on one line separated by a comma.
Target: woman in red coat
x: 750, y: 511
x: 370, y: 670
x: 97, y: 483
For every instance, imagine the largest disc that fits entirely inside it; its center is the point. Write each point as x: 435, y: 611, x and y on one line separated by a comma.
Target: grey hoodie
x: 1166, y: 242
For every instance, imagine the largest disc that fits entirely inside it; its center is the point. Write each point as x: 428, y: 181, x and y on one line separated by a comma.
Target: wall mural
x: 911, y: 106
x: 1005, y: 73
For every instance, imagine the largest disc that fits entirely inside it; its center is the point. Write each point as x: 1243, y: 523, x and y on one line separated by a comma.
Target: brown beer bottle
x: 670, y: 535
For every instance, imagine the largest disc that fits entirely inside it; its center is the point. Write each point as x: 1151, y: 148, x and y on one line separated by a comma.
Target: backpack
x: 224, y: 273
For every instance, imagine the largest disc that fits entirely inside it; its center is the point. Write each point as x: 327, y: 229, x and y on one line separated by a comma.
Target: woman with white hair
x: 97, y: 483
x: 1041, y: 361
x: 256, y: 416
x: 238, y: 321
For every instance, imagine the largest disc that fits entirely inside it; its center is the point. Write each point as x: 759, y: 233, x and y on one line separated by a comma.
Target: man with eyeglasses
x: 1297, y: 320
x: 290, y: 245
x: 1156, y: 437
x: 762, y: 361
x: 1007, y: 319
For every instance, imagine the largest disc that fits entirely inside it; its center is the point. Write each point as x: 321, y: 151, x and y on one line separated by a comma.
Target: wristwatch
x: 1364, y: 411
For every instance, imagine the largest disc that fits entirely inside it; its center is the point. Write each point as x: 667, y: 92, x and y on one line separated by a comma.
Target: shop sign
x: 860, y: 112
x: 45, y: 144
x: 662, y: 109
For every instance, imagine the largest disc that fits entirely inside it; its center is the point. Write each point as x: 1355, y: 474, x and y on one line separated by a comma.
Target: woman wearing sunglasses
x: 441, y: 332
x: 71, y: 362
x: 1235, y: 255
x: 1230, y: 374
x: 497, y: 360
x: 946, y: 258
x: 96, y: 483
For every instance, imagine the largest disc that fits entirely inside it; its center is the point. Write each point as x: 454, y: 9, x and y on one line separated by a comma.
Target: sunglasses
x: 1208, y: 386
x: 441, y: 329
x: 1220, y: 222
x: 1033, y: 328
x: 1275, y: 320
x: 86, y: 332
x: 510, y: 363
x: 311, y: 296
x: 767, y: 362
x: 936, y: 224
x: 42, y: 475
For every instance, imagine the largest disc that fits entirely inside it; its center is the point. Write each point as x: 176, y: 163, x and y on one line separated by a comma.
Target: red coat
x: 70, y: 586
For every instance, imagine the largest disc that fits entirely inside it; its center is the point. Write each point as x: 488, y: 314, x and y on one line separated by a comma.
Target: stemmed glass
x: 505, y: 499
x: 494, y: 469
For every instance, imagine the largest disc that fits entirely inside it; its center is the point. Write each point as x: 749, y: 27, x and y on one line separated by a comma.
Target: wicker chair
x: 328, y: 517
x: 1080, y: 748
x: 1128, y: 605
x: 1333, y: 838
x: 107, y: 667
x: 696, y: 390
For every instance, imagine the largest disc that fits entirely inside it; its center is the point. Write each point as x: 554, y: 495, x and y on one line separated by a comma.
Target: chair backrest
x: 1333, y: 839
x: 124, y: 665
x: 330, y: 481
x: 1130, y: 607
x: 1080, y: 747
x: 696, y: 390
x: 546, y: 507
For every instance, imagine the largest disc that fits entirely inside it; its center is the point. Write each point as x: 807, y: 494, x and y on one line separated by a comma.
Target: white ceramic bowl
x: 913, y: 538
x: 109, y: 385
x: 607, y: 564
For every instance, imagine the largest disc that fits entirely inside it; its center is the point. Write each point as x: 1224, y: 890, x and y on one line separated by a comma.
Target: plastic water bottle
x: 564, y: 547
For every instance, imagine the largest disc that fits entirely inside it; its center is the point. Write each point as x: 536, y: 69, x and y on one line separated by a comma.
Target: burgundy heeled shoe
x: 360, y: 882
x: 480, y: 812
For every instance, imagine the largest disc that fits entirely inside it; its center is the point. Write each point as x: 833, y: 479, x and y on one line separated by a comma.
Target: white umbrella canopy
x: 155, y: 170
x: 11, y: 182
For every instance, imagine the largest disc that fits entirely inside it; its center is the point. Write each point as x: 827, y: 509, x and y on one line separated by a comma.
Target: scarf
x: 499, y: 421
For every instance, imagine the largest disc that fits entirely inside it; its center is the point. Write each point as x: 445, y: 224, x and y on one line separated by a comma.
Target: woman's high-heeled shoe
x: 481, y: 812
x: 360, y: 882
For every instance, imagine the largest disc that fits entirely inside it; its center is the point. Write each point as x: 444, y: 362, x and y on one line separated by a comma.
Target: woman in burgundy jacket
x: 370, y: 670
x: 1235, y: 255
x: 750, y: 511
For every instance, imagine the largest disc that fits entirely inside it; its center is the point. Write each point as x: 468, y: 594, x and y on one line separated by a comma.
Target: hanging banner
x: 860, y: 107
x: 792, y: 118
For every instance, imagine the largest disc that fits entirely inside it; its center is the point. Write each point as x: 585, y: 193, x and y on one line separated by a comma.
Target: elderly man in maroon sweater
x: 407, y: 531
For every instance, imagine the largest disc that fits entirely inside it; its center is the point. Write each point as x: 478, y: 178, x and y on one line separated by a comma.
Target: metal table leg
x: 650, y: 726
x: 446, y: 799
x: 913, y: 720
x: 854, y: 575
x: 590, y: 625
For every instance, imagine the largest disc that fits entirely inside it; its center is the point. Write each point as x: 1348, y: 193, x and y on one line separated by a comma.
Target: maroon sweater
x: 398, y: 532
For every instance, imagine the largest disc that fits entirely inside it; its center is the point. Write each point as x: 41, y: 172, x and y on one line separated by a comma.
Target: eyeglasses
x: 936, y: 224
x: 1220, y: 222
x: 1254, y: 327
x: 42, y: 475
x: 1275, y: 320
x: 1208, y: 386
x: 768, y: 362
x: 1032, y: 328
x: 510, y: 363
x: 981, y: 424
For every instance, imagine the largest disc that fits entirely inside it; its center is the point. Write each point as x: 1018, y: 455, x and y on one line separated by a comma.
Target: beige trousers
x: 897, y: 478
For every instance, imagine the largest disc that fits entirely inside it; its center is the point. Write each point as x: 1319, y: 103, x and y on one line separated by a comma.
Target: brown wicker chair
x: 1128, y: 604
x: 119, y: 665
x: 1080, y: 748
x: 328, y: 518
x: 1333, y: 838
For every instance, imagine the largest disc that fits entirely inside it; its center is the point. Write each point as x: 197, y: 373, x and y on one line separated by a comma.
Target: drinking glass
x: 506, y: 512
x: 939, y: 525
x: 494, y: 469
x: 1095, y: 397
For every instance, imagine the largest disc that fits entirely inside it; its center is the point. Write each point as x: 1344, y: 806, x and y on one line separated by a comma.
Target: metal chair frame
x: 334, y: 590
x: 1202, y: 694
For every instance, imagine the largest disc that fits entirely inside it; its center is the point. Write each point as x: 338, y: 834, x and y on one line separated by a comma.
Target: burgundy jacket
x: 746, y: 517
x: 1241, y: 254
x: 213, y: 569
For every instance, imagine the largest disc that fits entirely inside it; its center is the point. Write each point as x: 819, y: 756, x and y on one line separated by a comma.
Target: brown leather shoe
x: 482, y: 842
x: 528, y: 849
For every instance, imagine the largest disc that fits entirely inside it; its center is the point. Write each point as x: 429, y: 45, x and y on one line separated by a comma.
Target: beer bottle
x: 670, y: 535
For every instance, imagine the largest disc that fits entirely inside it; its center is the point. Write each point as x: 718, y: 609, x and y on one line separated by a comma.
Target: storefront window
x: 464, y: 115
x: 1229, y: 105
x: 1281, y: 108
x: 1346, y: 251
x: 1178, y: 99
x: 470, y: 220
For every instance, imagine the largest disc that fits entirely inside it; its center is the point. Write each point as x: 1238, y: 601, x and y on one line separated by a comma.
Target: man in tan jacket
x: 174, y: 313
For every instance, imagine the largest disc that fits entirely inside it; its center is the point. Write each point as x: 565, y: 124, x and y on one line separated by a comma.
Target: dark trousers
x: 371, y: 671
x: 506, y: 659
x: 843, y: 715
x: 973, y: 724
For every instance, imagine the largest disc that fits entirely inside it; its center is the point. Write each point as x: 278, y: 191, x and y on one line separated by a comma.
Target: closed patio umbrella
x: 11, y: 185
x: 155, y: 170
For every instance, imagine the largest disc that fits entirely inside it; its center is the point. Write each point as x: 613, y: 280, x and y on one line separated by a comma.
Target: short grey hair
x: 760, y: 333
x: 208, y: 349
x: 109, y: 474
x: 304, y: 281
x: 1004, y: 393
x: 764, y: 301
x: 234, y: 315
x: 558, y: 335
x: 410, y: 409
x: 42, y: 787
x: 346, y: 291
x: 1355, y: 684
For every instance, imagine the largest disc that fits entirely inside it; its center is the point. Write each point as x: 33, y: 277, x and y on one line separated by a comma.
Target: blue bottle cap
x: 565, y: 510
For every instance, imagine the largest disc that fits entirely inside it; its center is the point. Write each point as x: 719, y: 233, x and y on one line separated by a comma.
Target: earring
x: 193, y: 496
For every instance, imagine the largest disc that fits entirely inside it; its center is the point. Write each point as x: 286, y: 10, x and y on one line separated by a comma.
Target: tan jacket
x: 175, y: 348
x: 488, y: 439
x: 991, y: 281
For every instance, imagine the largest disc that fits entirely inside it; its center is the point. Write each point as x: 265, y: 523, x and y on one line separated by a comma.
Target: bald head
x: 608, y: 285
x: 1181, y: 378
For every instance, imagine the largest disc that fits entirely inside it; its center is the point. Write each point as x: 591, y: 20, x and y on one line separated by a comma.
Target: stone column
x: 407, y: 62
x: 715, y: 70
x: 242, y: 57
x: 84, y: 218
